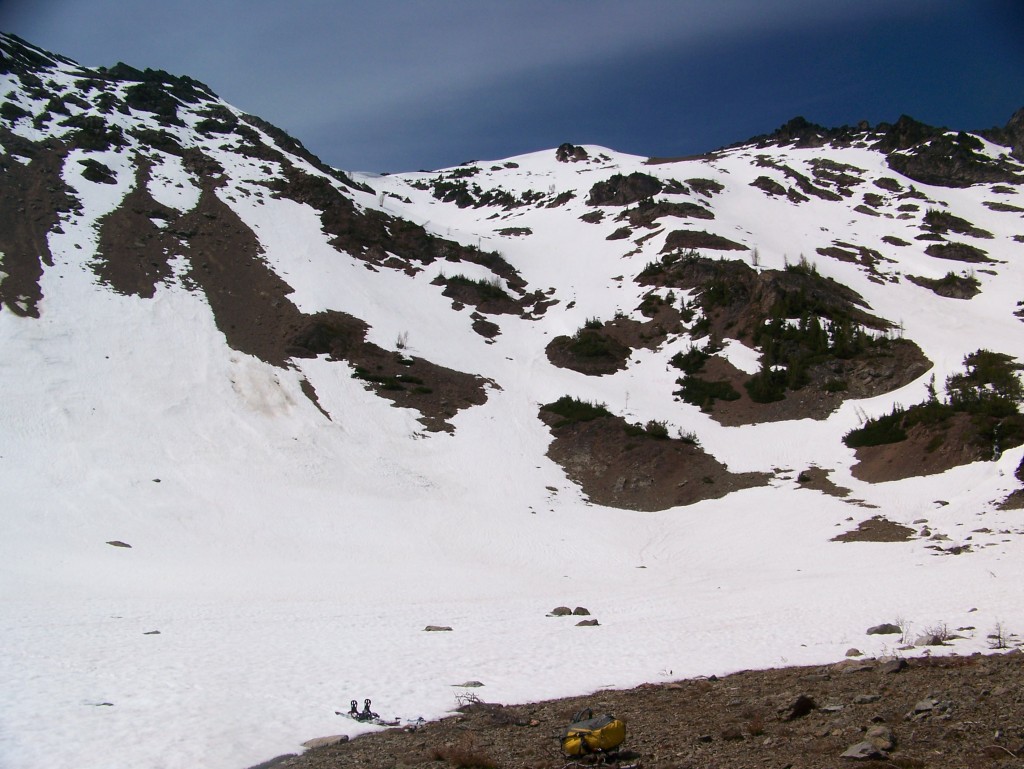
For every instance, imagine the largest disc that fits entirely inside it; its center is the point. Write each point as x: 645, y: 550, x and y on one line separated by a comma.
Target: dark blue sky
x: 407, y: 84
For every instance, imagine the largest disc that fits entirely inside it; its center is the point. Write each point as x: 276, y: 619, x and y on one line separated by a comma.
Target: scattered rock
x: 866, y: 699
x: 570, y: 153
x: 852, y: 666
x: 886, y: 628
x: 881, y: 737
x: 801, y: 706
x: 731, y: 733
x: 581, y: 611
x: 896, y: 665
x: 274, y: 762
x: 923, y: 708
x: 587, y: 623
x: 322, y: 742
x: 863, y: 751
x: 560, y: 611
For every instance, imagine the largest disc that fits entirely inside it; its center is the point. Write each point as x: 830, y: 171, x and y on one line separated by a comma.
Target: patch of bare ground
x: 1015, y: 501
x: 876, y: 529
x: 918, y: 713
x: 928, y: 449
x: 811, y: 331
x: 817, y: 479
x: 681, y: 239
x: 628, y: 467
x: 862, y: 377
x: 619, y: 190
x: 250, y: 302
x: 647, y: 212
x: 952, y: 286
x: 604, y: 347
x: 958, y: 252
x: 134, y: 251
x: 867, y: 258
x: 34, y: 196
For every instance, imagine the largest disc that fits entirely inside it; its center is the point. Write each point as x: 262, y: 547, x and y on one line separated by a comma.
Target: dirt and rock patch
x: 876, y: 529
x: 927, y: 712
x: 819, y: 345
x: 637, y: 467
x: 619, y: 190
x: 688, y: 239
x: 35, y: 196
x: 928, y: 449
x: 951, y: 286
x: 603, y: 347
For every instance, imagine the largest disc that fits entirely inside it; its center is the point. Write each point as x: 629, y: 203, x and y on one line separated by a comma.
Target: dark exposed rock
x: 746, y: 304
x: 768, y: 185
x: 952, y: 161
x: 631, y: 469
x: 686, y: 239
x: 939, y: 221
x: 895, y: 665
x: 323, y: 742
x: 952, y: 286
x: 570, y: 153
x: 705, y: 187
x: 1011, y: 135
x: 800, y: 707
x: 886, y: 628
x: 591, y: 351
x: 904, y: 134
x: 876, y: 529
x: 888, y: 183
x: 647, y: 212
x: 134, y: 251
x: 959, y: 252
x: 865, y: 750
x: 622, y: 190
x: 34, y: 197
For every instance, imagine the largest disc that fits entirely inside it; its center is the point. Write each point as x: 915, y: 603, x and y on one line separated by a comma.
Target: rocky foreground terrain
x: 914, y: 713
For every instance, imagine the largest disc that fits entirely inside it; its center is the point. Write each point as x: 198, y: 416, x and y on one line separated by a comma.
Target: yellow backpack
x: 587, y: 734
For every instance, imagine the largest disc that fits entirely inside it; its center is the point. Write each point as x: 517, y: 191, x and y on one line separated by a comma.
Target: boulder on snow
x: 886, y: 628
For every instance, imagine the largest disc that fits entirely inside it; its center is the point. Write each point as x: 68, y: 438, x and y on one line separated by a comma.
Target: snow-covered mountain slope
x: 288, y: 416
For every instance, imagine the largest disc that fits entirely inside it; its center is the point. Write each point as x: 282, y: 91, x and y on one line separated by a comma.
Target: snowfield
x: 280, y: 563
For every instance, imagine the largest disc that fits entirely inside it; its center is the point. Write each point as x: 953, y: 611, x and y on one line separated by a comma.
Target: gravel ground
x: 916, y: 713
